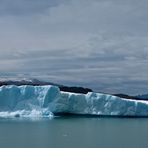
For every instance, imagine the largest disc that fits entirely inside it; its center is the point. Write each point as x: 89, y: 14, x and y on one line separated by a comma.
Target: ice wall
x: 44, y: 101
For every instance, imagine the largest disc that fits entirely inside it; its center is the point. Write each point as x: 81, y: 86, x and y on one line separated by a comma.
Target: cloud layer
x: 102, y: 44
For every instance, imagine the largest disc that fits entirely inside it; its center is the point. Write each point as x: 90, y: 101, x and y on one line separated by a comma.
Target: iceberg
x: 45, y: 101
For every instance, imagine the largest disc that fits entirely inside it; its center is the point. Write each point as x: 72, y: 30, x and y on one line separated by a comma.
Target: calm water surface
x: 73, y: 132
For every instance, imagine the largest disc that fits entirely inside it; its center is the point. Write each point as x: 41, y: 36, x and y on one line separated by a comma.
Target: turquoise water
x: 71, y: 132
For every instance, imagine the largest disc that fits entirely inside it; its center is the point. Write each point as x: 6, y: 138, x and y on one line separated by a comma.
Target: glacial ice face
x: 26, y: 101
x: 44, y: 101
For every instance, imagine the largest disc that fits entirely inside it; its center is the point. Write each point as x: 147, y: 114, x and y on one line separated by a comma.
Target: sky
x: 100, y: 44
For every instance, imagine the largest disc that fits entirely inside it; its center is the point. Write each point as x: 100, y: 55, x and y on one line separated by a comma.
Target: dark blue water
x: 73, y: 132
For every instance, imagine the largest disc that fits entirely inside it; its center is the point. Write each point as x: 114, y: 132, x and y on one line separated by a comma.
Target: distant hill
x: 36, y: 82
x: 74, y: 89
x: 138, y: 97
x: 143, y: 97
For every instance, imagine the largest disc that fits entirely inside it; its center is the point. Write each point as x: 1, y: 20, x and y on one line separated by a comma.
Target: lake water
x: 72, y: 132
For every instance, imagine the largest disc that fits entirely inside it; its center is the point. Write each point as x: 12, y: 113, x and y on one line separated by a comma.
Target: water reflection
x: 74, y: 132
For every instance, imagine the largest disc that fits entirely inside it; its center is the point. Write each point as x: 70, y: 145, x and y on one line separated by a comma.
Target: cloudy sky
x: 101, y: 44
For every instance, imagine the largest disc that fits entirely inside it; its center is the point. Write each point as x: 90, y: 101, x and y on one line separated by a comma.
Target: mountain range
x: 74, y: 89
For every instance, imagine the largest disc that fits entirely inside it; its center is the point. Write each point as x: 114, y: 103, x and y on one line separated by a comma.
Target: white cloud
x: 103, y: 42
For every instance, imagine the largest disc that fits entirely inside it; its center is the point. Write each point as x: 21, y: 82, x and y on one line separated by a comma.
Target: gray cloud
x: 26, y: 7
x: 102, y: 44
